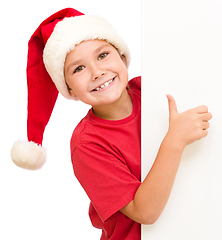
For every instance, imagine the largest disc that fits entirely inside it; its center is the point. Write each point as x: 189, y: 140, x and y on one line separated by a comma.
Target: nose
x: 97, y: 71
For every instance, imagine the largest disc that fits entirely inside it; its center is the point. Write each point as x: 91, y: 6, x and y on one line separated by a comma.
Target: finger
x: 206, y: 116
x: 205, y: 125
x: 172, y: 105
x: 204, y: 133
x: 202, y: 109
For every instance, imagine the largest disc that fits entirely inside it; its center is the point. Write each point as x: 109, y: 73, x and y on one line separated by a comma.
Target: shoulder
x: 88, y: 132
x: 134, y: 87
x: 135, y: 83
x: 78, y: 133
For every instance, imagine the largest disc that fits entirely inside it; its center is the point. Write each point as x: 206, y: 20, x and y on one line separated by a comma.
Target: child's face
x: 96, y: 73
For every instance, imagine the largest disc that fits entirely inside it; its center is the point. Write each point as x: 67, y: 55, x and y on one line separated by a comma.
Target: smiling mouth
x: 106, y: 84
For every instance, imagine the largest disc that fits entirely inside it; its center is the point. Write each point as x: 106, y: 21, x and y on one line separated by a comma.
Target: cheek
x: 71, y: 81
x: 123, y: 71
x: 79, y: 86
x: 118, y: 66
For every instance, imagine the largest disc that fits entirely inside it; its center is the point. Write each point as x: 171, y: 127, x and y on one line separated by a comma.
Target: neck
x: 118, y: 110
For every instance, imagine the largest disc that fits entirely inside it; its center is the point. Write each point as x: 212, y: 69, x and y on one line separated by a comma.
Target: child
x: 87, y: 60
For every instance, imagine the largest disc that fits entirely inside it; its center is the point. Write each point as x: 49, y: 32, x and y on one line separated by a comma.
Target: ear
x: 71, y: 92
x: 73, y: 95
x: 124, y: 59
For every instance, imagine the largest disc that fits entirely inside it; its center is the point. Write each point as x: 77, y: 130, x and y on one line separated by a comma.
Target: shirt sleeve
x: 105, y: 177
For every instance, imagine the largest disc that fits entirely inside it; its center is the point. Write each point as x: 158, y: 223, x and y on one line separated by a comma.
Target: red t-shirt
x: 106, y: 157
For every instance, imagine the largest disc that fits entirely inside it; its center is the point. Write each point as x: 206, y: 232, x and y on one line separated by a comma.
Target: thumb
x: 172, y: 105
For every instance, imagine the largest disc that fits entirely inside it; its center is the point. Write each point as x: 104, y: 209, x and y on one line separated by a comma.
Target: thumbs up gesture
x: 189, y: 126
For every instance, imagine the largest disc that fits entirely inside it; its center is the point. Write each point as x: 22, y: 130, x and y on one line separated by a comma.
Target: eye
x: 103, y: 55
x: 79, y: 68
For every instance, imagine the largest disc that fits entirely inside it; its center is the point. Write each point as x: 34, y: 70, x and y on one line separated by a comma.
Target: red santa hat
x: 47, y: 50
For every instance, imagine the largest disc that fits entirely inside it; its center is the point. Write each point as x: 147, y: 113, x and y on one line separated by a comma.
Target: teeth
x: 104, y: 85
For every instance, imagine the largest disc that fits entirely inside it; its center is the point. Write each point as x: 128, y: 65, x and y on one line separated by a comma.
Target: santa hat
x: 47, y: 50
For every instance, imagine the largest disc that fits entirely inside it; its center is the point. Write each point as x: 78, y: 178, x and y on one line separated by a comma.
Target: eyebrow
x: 78, y: 62
x: 101, y: 47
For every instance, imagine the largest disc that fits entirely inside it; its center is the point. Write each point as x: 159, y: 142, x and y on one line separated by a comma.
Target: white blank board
x: 182, y: 56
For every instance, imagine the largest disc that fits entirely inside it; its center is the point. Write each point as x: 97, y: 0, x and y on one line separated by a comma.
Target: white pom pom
x: 28, y: 155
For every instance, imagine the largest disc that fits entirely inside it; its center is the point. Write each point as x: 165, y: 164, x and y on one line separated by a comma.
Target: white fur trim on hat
x: 70, y: 32
x: 28, y: 155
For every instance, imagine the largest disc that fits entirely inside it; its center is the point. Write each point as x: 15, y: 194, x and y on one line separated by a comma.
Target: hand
x: 189, y: 126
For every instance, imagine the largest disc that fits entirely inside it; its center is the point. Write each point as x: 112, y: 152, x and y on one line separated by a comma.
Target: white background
x: 182, y: 55
x: 49, y: 203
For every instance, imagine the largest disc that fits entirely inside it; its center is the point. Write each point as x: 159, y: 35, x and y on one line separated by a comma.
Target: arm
x: 152, y: 195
